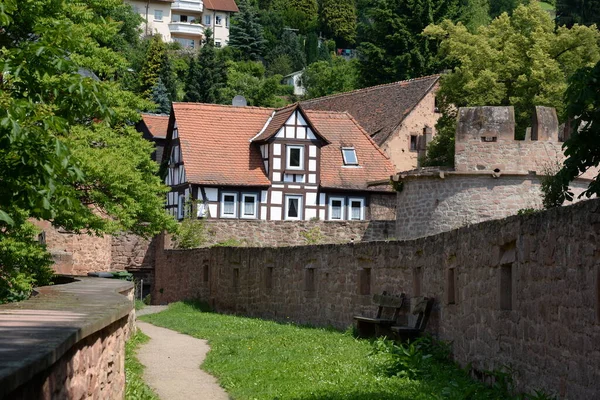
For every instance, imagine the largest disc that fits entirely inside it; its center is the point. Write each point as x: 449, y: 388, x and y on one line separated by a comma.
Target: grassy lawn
x: 258, y: 359
x: 135, y: 388
x: 546, y: 6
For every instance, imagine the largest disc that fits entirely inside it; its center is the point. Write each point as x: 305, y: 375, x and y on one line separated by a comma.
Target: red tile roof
x: 215, y: 143
x: 216, y: 147
x: 221, y: 5
x: 343, y: 131
x: 157, y: 125
x: 378, y: 109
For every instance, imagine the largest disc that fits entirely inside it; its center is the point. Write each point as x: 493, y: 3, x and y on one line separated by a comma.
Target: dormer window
x: 349, y: 156
x: 295, y: 157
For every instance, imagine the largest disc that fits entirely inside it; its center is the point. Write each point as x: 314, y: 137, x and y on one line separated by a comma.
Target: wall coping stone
x: 36, y: 333
x: 435, y: 172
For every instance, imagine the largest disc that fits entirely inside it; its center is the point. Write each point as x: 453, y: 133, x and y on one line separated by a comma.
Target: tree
x: 329, y: 77
x: 520, y: 60
x: 338, y: 19
x: 474, y: 13
x: 207, y: 75
x: 298, y: 14
x: 391, y: 45
x: 160, y: 96
x: 290, y: 46
x: 246, y: 35
x: 572, y: 12
x: 57, y: 115
x: 498, y: 7
x: 157, y: 65
x: 582, y: 149
x: 248, y: 79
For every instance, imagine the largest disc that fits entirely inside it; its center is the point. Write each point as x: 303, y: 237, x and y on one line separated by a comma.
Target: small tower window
x: 349, y: 156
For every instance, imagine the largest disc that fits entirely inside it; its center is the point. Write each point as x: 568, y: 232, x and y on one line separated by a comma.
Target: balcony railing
x: 188, y: 5
x: 187, y: 28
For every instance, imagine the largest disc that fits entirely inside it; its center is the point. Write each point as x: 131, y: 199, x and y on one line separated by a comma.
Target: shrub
x: 313, y: 235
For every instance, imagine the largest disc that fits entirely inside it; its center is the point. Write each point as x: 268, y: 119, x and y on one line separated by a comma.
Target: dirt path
x: 172, y: 362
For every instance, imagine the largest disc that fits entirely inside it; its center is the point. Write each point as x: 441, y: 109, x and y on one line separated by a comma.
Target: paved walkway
x: 172, y: 362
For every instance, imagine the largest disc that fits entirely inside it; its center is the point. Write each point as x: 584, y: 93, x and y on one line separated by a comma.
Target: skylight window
x: 349, y: 156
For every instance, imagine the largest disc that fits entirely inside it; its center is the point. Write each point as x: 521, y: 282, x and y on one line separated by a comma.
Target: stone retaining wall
x: 295, y: 233
x: 522, y: 291
x: 67, y: 342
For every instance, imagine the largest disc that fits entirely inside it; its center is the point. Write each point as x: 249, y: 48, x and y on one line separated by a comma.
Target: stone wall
x: 68, y: 342
x: 258, y: 233
x: 437, y: 201
x: 522, y: 291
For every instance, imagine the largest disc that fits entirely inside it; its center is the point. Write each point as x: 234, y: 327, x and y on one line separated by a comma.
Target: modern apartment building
x: 185, y: 21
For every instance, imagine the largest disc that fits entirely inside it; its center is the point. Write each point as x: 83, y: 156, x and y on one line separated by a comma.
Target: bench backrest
x: 386, y: 300
x: 421, y: 308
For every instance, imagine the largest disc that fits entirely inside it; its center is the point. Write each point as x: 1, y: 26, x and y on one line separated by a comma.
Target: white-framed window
x: 229, y: 205
x: 180, y: 205
x: 294, y: 157
x: 227, y: 22
x: 158, y: 15
x: 207, y: 20
x: 349, y: 154
x: 336, y: 208
x: 293, y: 207
x: 249, y: 207
x: 356, y: 209
x: 217, y: 43
x: 218, y: 20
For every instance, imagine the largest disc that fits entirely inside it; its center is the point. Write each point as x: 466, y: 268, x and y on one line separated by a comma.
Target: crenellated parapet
x: 485, y: 141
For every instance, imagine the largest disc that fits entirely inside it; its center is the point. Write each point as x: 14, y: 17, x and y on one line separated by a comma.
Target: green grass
x: 258, y: 359
x: 135, y: 388
x: 139, y: 304
x: 546, y: 6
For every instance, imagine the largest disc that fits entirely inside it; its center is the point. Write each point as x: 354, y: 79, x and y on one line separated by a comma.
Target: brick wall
x: 526, y: 290
x: 257, y: 233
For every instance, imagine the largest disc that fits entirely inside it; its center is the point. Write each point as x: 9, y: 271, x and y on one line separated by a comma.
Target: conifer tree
x: 160, y: 96
x: 338, y: 20
x: 246, y: 33
x: 156, y: 57
x: 207, y: 75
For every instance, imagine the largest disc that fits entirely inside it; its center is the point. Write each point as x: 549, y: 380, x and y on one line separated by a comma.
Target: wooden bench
x: 379, y: 326
x: 420, y: 308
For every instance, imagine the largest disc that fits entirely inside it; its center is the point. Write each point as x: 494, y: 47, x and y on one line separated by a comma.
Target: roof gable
x: 378, y: 109
x: 292, y: 115
x: 221, y: 5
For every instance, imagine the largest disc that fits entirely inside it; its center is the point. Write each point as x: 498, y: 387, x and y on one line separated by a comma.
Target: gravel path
x: 172, y: 362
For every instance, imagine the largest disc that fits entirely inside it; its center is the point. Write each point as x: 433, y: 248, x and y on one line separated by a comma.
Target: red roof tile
x: 378, y: 109
x: 343, y: 131
x: 215, y: 143
x: 216, y: 147
x: 221, y: 5
x: 157, y: 125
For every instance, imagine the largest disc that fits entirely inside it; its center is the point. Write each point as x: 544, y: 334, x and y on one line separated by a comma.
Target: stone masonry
x: 521, y: 291
x: 494, y: 175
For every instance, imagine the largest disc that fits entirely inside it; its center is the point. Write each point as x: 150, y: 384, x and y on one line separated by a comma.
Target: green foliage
x: 281, y: 65
x: 521, y: 60
x: 231, y: 242
x: 156, y: 62
x: 290, y: 45
x: 246, y: 35
x: 135, y: 387
x: 297, y: 14
x: 311, y: 48
x: 328, y: 77
x: 207, y: 75
x: 313, y: 235
x: 338, y: 19
x: 191, y: 232
x: 65, y: 122
x: 25, y: 263
x: 160, y: 96
x: 572, y: 12
x: 391, y: 46
x: 139, y: 304
x: 258, y: 359
x: 498, y: 7
x: 582, y: 149
x: 247, y: 79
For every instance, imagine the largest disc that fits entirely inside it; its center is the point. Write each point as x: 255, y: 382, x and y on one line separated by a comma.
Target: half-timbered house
x: 267, y: 164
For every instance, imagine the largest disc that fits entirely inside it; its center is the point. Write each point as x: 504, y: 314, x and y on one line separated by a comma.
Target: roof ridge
x: 360, y: 128
x: 335, y: 95
x: 183, y: 103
